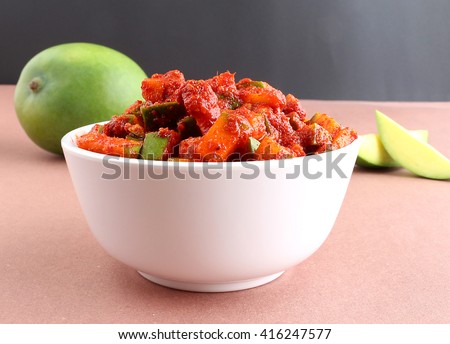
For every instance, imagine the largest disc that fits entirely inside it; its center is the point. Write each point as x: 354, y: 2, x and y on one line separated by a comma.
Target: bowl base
x: 212, y: 287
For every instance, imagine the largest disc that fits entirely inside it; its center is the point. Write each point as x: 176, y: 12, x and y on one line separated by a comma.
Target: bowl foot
x: 213, y: 287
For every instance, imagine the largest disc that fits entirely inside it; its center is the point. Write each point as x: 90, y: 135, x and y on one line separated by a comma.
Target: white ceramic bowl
x: 210, y: 227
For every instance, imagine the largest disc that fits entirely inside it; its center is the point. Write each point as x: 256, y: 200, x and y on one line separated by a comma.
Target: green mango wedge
x: 411, y: 153
x: 373, y: 155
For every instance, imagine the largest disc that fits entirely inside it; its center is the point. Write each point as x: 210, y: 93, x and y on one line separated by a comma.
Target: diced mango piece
x: 101, y: 143
x: 270, y: 149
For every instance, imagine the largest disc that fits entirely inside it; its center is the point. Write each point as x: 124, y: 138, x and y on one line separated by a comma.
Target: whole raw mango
x: 71, y: 85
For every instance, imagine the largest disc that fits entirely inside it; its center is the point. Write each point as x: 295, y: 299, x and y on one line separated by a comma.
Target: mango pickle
x: 216, y: 119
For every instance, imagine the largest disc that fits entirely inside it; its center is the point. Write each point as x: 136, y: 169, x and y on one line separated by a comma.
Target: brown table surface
x: 387, y: 259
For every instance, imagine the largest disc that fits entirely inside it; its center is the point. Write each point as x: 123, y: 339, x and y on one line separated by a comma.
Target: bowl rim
x: 68, y: 144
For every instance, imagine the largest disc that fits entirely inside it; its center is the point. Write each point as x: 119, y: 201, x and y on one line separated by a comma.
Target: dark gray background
x: 320, y: 49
